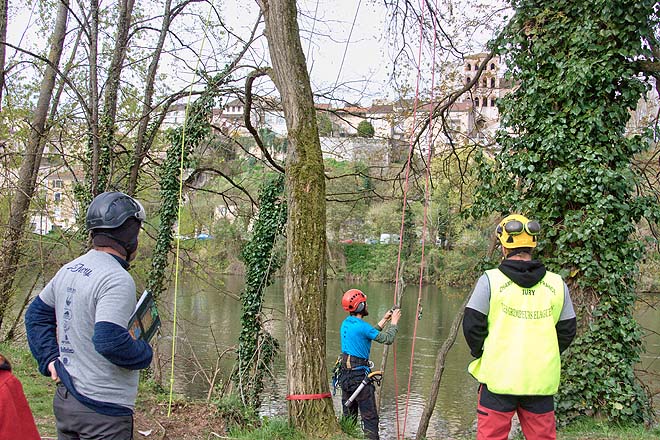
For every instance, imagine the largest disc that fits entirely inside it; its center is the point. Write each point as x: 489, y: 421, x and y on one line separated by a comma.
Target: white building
x: 57, y: 207
x: 175, y: 116
x: 473, y: 118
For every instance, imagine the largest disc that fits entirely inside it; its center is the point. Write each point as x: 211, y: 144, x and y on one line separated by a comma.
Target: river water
x: 208, y: 322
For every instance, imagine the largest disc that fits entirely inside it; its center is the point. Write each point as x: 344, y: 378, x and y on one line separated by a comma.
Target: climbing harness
x: 336, y: 375
x: 338, y: 369
x: 375, y: 376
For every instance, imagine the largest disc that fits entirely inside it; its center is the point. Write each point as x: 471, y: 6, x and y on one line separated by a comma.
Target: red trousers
x: 494, y: 413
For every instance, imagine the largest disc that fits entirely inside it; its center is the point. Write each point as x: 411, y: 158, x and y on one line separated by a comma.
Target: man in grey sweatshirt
x: 77, y: 327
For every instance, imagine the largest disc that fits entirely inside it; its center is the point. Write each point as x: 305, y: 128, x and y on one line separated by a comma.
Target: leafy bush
x: 365, y: 129
x: 373, y: 262
x: 235, y: 413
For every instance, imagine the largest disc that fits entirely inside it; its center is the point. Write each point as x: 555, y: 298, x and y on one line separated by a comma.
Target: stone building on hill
x: 474, y: 118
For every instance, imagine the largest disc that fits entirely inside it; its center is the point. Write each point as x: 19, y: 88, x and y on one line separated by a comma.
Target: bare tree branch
x: 248, y: 110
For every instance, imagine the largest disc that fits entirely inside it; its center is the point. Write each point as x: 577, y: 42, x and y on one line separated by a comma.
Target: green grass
x: 279, y: 429
x: 271, y: 429
x: 351, y: 427
x: 590, y: 429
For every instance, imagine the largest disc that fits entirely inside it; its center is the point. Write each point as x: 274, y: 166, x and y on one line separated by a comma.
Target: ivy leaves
x: 183, y: 140
x: 257, y: 347
x: 565, y: 160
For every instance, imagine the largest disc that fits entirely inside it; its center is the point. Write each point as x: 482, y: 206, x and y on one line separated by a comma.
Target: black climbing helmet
x: 111, y: 209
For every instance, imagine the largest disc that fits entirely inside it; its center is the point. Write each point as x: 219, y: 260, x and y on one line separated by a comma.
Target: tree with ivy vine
x: 565, y: 160
x: 257, y: 347
x: 183, y: 141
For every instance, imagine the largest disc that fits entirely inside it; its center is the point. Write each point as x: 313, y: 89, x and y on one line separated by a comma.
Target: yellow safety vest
x: 521, y: 351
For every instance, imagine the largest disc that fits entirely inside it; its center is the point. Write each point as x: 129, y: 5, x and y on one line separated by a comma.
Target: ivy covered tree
x: 257, y: 347
x: 183, y: 141
x: 565, y: 160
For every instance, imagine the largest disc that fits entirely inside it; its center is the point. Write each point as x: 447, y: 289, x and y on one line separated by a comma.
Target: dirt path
x: 188, y: 421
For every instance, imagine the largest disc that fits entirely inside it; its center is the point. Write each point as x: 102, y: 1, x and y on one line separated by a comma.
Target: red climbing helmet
x: 354, y: 301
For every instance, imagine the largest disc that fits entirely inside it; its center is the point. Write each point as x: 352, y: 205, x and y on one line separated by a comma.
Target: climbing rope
x: 411, y: 146
x: 180, y: 203
x: 427, y: 190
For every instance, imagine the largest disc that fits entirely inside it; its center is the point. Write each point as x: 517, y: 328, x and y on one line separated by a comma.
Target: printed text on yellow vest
x: 521, y: 352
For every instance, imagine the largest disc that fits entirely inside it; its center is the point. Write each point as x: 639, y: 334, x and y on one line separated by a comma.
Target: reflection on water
x: 208, y: 324
x: 648, y: 316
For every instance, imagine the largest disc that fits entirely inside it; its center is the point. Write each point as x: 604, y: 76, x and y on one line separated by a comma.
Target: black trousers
x: 365, y: 402
x: 77, y: 422
x: 506, y: 402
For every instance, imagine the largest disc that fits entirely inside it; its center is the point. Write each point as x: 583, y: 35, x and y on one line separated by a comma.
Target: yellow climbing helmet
x: 517, y: 231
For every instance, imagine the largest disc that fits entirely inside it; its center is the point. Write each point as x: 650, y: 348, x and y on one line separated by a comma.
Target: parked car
x: 389, y: 238
x: 370, y: 241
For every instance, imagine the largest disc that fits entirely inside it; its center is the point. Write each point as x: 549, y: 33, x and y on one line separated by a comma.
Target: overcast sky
x: 366, y: 69
x: 369, y: 52
x: 366, y: 53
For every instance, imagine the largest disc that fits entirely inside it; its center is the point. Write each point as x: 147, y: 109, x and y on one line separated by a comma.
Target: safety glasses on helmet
x: 516, y: 227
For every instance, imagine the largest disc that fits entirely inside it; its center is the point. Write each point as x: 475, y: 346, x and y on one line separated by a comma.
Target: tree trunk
x: 11, y: 333
x: 4, y: 6
x: 141, y: 146
x: 93, y: 96
x: 107, y: 123
x: 304, y: 290
x: 11, y: 244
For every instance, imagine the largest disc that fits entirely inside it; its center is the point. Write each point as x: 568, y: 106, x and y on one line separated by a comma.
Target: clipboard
x: 145, y: 321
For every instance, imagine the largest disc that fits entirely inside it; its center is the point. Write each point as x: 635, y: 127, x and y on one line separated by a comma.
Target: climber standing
x: 356, y: 336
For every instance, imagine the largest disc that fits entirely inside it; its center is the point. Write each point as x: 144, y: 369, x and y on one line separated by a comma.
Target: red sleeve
x: 16, y: 421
